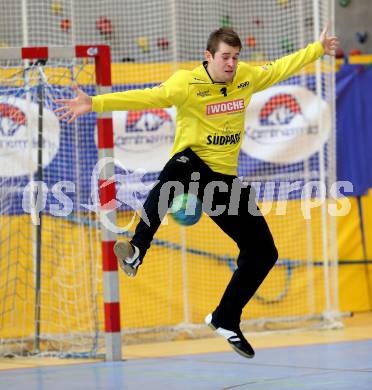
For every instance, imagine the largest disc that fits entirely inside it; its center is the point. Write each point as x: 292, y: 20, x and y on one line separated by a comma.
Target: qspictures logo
x: 225, y: 107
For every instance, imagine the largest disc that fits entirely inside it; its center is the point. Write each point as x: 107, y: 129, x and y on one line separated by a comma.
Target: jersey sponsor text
x: 223, y: 139
x: 225, y: 107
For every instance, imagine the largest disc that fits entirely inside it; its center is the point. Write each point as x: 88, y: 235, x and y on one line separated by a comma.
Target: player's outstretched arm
x: 73, y: 108
x: 289, y: 65
x: 329, y: 44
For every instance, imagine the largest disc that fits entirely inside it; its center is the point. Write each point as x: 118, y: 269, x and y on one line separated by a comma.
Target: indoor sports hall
x: 69, y: 316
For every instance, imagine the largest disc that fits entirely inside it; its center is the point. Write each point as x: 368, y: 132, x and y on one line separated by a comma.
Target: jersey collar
x: 205, y: 66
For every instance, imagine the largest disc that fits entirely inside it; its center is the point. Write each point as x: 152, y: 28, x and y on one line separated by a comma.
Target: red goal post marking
x: 102, y: 59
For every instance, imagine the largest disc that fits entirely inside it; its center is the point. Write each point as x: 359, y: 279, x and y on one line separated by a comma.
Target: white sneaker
x: 128, y: 256
x: 234, y: 337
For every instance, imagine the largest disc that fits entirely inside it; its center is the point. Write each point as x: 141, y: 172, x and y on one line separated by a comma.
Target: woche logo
x: 286, y: 124
x: 225, y: 107
x: 19, y: 135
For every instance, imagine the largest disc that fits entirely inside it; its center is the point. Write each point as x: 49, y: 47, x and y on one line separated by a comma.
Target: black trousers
x: 233, y: 210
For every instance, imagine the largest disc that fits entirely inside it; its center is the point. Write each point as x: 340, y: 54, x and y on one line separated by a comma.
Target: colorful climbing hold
x: 362, y: 36
x: 143, y: 43
x: 163, y: 43
x: 257, y: 21
x: 56, y: 7
x: 355, y: 52
x: 283, y: 3
x: 250, y: 41
x: 65, y: 25
x: 344, y: 3
x: 104, y: 25
x: 287, y: 45
x: 225, y: 21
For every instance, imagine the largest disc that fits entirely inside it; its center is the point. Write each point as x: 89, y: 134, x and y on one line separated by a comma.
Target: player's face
x: 222, y: 66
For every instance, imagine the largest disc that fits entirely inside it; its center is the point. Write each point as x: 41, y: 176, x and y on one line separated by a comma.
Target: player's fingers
x: 61, y: 109
x: 325, y: 30
x: 72, y: 119
x: 77, y: 90
x: 65, y: 115
x: 61, y: 101
x: 333, y: 38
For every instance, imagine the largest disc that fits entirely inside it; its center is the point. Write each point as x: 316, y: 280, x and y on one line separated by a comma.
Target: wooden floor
x: 358, y: 327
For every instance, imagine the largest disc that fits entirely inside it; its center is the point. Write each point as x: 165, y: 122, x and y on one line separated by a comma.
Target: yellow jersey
x: 210, y: 115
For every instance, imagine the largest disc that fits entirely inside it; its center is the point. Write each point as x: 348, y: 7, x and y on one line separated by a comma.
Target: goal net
x: 288, y: 155
x: 53, y: 249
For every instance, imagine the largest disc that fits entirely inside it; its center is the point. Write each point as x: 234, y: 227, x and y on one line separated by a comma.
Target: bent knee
x: 266, y: 254
x: 273, y: 255
x: 269, y: 255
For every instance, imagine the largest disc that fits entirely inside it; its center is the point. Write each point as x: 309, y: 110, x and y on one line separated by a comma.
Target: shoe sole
x: 208, y: 321
x: 240, y: 352
x: 122, y: 250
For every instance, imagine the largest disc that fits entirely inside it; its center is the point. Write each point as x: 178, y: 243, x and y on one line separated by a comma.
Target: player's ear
x: 208, y: 55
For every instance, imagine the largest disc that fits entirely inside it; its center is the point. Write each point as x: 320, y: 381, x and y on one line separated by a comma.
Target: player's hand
x: 72, y: 108
x: 330, y: 44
